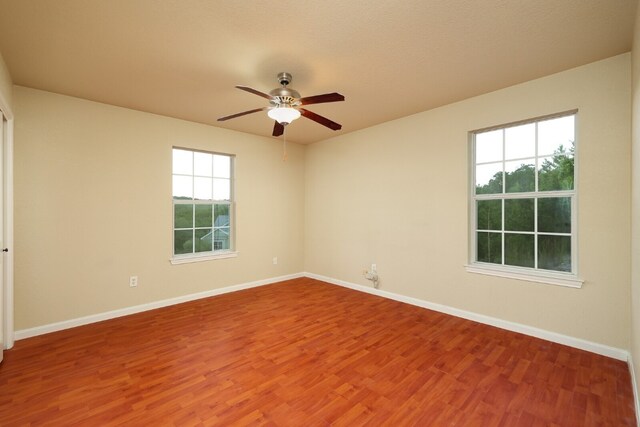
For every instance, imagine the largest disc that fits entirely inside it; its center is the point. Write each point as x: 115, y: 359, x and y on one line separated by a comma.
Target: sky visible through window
x: 517, y: 146
x: 196, y: 176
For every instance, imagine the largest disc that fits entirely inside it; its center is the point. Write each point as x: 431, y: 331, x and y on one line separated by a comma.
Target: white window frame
x: 569, y: 279
x: 213, y: 254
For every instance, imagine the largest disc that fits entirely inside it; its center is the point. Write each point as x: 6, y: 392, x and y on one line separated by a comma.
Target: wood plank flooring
x: 306, y: 353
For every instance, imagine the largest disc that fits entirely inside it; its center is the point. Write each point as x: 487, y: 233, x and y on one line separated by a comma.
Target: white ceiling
x: 389, y: 58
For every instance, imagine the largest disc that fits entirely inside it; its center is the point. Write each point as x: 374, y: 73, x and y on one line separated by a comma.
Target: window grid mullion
x: 549, y: 233
x: 502, y: 234
x: 537, y: 162
x: 504, y: 192
x: 504, y: 175
x: 535, y: 229
x: 193, y: 196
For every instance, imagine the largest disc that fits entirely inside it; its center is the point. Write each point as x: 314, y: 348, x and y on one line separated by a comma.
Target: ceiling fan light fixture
x: 283, y: 115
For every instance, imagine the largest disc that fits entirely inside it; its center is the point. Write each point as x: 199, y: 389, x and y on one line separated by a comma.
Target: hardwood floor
x: 304, y: 353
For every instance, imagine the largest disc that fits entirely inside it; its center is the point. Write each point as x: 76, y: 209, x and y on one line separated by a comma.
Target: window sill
x: 199, y: 258
x: 559, y: 279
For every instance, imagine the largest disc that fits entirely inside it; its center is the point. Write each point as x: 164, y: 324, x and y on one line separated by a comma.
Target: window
x: 523, y: 202
x: 202, y: 204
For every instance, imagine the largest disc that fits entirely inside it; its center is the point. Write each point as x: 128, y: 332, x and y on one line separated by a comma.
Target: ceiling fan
x: 286, y: 105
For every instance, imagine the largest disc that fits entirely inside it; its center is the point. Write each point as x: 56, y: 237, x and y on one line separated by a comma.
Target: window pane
x: 182, y: 216
x: 202, y: 164
x: 518, y: 250
x: 202, y: 188
x: 554, y: 253
x: 204, y: 215
x: 489, y: 146
x: 221, y: 215
x: 182, y: 242
x: 520, y: 141
x: 221, y: 189
x: 182, y: 162
x: 519, y: 214
x: 489, y: 247
x: 554, y: 215
x: 222, y: 166
x: 182, y: 187
x: 556, y: 135
x: 221, y: 238
x: 556, y: 173
x: 489, y: 215
x: 203, y: 240
x: 520, y: 176
x: 489, y: 178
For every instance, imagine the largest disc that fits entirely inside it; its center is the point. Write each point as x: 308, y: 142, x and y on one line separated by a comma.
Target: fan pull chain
x: 284, y: 144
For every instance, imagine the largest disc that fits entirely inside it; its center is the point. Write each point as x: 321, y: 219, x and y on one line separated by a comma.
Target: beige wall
x: 635, y: 203
x: 396, y: 194
x: 93, y: 206
x: 5, y: 85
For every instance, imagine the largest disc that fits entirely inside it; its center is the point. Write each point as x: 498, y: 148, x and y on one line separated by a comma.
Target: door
x: 3, y: 130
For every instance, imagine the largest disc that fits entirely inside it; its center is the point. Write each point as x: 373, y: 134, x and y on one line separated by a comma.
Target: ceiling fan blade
x: 255, y: 92
x: 278, y: 129
x: 319, y: 119
x: 233, y: 116
x: 319, y: 99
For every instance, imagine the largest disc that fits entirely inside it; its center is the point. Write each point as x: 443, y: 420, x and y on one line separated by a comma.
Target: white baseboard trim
x: 602, y: 349
x: 593, y: 347
x: 72, y: 323
x: 634, y: 386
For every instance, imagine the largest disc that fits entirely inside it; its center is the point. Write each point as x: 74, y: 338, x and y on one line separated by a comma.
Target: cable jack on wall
x: 372, y: 274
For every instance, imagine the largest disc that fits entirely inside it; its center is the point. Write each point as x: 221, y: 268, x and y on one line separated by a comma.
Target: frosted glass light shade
x: 283, y: 115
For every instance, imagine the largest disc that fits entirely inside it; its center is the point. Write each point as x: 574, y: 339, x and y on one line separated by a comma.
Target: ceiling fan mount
x: 284, y: 78
x: 285, y: 105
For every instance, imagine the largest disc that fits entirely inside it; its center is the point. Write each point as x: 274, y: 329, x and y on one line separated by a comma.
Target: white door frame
x: 8, y: 224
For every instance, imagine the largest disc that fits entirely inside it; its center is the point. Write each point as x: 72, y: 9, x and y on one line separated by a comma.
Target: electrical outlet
x: 275, y: 260
x: 133, y: 281
x: 374, y: 268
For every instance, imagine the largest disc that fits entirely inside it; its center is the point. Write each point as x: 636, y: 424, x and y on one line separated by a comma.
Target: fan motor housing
x: 284, y: 95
